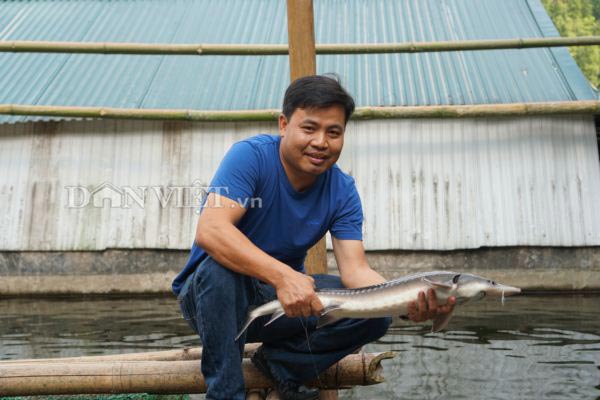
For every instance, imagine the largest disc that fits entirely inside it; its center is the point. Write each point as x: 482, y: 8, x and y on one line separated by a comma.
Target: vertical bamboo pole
x: 303, y: 62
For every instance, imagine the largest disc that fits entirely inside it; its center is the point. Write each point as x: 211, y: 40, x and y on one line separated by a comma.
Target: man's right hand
x: 296, y: 293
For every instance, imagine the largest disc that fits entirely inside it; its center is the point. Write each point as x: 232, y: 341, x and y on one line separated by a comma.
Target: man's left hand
x: 426, y: 308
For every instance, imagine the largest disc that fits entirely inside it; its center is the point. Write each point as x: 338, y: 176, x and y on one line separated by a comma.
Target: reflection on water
x: 42, y: 328
x: 531, y: 348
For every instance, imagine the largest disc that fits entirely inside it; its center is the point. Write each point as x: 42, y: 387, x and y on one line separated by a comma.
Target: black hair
x: 317, y: 91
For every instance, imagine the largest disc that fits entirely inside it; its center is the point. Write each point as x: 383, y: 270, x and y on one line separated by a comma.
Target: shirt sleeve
x: 348, y: 221
x: 237, y: 175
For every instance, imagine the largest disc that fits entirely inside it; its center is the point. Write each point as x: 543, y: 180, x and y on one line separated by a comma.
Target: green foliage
x: 596, y: 6
x: 579, y: 18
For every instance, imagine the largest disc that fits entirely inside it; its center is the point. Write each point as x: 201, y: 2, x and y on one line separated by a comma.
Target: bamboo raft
x: 161, y: 372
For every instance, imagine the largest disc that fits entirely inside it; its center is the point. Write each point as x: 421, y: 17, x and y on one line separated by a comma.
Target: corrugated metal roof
x: 236, y: 82
x: 437, y: 184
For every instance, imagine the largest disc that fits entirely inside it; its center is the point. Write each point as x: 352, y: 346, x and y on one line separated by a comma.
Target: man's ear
x: 283, y: 122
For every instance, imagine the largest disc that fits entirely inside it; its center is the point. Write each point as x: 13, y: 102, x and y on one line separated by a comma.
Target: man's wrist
x: 278, y: 276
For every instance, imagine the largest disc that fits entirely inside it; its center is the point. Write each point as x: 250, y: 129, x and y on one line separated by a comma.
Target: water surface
x: 533, y: 347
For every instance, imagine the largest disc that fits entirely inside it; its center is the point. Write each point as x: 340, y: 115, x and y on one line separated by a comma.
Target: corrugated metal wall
x: 425, y: 184
x: 447, y: 184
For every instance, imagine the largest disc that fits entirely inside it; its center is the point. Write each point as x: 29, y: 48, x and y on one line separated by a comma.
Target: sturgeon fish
x: 391, y: 298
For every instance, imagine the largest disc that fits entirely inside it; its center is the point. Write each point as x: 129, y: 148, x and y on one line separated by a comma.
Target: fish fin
x: 275, y: 316
x: 462, y: 300
x: 326, y: 319
x: 439, y: 285
x: 329, y: 309
x: 246, y: 325
x: 440, y: 322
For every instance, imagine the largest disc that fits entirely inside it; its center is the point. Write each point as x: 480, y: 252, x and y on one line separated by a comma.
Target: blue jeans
x: 215, y: 301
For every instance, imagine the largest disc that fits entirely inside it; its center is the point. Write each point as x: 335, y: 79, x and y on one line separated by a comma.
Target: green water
x: 533, y: 347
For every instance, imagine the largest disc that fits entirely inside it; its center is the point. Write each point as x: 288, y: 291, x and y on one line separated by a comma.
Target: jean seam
x: 198, y: 315
x: 183, y: 299
x: 274, y: 370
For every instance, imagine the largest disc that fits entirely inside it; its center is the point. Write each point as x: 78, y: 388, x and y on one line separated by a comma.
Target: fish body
x: 392, y: 298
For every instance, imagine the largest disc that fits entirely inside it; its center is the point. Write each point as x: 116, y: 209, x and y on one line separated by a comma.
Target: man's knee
x: 219, y: 285
x: 218, y: 277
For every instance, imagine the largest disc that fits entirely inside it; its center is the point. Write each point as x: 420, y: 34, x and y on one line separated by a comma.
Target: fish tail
x: 251, y: 317
x: 275, y: 317
x: 255, y: 312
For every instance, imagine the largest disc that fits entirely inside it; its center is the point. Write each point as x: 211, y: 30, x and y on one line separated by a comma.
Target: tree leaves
x: 579, y: 18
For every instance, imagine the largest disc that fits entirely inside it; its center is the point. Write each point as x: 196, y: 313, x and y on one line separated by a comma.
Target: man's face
x: 311, y: 142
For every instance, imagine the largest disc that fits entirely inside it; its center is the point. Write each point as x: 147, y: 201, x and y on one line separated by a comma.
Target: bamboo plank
x: 162, y: 377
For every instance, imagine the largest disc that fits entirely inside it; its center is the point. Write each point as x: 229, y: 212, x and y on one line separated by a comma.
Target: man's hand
x: 427, y: 308
x: 297, y: 295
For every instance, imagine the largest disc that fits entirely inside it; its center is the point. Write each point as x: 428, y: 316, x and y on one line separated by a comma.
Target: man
x: 245, y: 256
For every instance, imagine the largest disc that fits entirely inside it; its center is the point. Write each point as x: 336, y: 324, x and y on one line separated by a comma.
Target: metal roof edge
x: 574, y: 78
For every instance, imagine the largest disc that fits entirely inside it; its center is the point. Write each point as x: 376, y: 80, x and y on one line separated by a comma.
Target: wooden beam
x: 303, y: 62
x: 301, y: 38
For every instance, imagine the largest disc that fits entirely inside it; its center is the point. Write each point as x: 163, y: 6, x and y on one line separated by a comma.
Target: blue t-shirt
x: 279, y: 220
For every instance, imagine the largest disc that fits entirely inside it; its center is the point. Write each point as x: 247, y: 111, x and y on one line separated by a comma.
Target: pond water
x: 533, y: 347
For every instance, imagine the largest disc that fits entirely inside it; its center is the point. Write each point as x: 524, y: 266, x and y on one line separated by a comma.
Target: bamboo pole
x: 255, y: 394
x: 273, y: 395
x: 361, y: 113
x: 458, y: 45
x: 139, y: 113
x: 19, y: 46
x: 162, y: 377
x: 480, y: 110
x: 188, y: 353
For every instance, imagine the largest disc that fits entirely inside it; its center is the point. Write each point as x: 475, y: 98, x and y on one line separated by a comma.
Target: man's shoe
x: 287, y: 390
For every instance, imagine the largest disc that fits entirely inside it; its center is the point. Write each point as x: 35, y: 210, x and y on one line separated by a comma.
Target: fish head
x: 470, y: 286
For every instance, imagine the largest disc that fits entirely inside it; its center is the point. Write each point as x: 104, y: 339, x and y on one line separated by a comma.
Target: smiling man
x: 244, y: 256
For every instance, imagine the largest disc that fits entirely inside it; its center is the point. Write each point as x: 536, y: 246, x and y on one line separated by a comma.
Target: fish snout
x: 499, y: 290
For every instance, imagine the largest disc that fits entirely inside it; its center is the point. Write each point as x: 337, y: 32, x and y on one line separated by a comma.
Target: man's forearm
x: 361, y: 277
x: 231, y: 248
